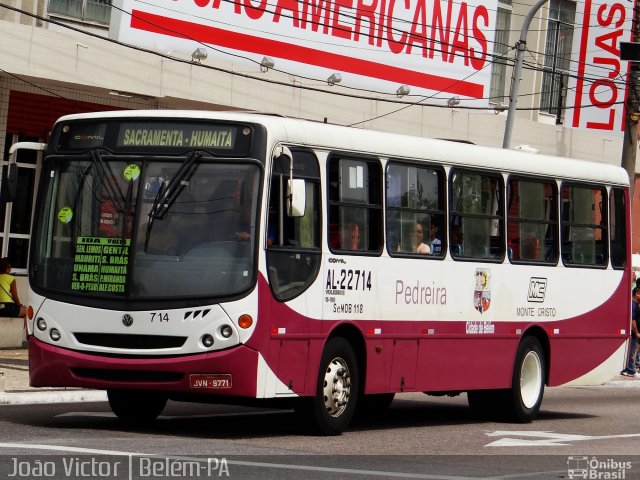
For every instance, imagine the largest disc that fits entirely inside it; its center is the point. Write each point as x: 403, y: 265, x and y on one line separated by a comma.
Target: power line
x: 50, y: 92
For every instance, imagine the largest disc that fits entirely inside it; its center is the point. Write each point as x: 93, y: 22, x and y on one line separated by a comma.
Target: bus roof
x: 392, y: 145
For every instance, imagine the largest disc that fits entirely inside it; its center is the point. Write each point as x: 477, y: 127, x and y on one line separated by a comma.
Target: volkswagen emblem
x: 127, y: 320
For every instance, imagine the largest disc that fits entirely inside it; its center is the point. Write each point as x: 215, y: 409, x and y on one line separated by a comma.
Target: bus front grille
x: 128, y: 341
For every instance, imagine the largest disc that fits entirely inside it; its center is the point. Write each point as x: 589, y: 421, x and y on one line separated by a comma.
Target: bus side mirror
x: 296, y: 196
x: 296, y: 190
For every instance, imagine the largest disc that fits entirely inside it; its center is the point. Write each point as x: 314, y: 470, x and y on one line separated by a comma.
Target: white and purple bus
x: 228, y: 257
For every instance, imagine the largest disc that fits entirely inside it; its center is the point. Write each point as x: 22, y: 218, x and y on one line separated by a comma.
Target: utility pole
x: 632, y: 110
x: 517, y: 72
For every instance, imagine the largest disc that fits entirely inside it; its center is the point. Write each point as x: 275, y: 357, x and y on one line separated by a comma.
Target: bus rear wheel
x: 136, y: 406
x: 330, y: 410
x: 522, y: 401
x: 527, y: 386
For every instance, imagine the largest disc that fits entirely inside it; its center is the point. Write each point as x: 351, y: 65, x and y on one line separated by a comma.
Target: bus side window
x: 617, y: 228
x: 532, y: 220
x: 355, y: 205
x: 584, y: 225
x: 477, y: 210
x: 415, y: 210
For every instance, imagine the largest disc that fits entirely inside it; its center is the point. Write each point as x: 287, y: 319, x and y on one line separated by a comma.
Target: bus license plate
x: 210, y: 381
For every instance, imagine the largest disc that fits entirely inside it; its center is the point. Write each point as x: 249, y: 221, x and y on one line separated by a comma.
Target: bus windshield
x: 146, y: 227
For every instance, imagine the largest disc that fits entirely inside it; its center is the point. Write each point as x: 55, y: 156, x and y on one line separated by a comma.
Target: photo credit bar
x: 150, y: 467
x: 111, y: 467
x: 585, y: 467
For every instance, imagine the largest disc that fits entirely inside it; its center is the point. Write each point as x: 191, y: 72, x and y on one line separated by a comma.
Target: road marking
x: 62, y: 448
x: 545, y: 438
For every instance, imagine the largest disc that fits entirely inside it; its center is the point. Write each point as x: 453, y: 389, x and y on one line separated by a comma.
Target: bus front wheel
x: 330, y: 410
x: 136, y: 406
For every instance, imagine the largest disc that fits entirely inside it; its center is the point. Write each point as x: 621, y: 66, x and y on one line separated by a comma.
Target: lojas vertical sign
x: 431, y: 45
x: 599, y: 91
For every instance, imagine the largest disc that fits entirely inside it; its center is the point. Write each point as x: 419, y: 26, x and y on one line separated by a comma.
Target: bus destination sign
x: 100, y: 265
x: 177, y: 135
x: 148, y: 136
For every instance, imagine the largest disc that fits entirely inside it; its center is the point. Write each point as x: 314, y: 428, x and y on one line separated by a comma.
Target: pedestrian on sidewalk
x: 10, y: 305
x: 630, y: 370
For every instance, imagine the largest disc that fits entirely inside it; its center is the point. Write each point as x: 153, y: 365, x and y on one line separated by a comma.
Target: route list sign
x: 100, y: 264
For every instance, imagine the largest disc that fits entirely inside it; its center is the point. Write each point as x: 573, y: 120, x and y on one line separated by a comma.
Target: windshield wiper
x: 113, y: 191
x: 121, y: 201
x: 169, y: 191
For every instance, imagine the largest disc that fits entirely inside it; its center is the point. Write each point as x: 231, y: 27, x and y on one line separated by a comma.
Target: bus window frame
x: 604, y: 226
x: 333, y: 160
x: 509, y: 219
x: 442, y: 213
x: 500, y: 216
x: 612, y: 190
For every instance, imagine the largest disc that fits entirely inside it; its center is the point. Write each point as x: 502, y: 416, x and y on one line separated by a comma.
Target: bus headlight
x: 207, y: 340
x: 55, y: 334
x: 42, y: 324
x: 226, y: 331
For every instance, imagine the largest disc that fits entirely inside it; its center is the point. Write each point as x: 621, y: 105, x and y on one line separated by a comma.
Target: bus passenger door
x: 293, y: 261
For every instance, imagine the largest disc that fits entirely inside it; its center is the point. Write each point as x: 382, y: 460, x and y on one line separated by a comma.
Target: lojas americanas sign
x: 431, y: 45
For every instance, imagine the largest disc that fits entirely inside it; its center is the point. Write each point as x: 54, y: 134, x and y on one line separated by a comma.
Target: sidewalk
x: 15, y: 389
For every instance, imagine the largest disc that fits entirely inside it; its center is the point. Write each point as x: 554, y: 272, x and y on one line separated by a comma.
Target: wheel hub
x: 336, y: 387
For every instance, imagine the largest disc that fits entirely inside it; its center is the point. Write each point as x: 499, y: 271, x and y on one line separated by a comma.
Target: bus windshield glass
x: 147, y: 227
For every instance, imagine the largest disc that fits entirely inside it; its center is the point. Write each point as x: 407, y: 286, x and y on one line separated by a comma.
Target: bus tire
x: 136, y: 406
x: 528, y: 381
x: 522, y: 401
x: 330, y: 410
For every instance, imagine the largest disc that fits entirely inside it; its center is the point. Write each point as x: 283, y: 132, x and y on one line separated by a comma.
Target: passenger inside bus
x: 435, y: 243
x: 344, y: 237
x: 418, y: 244
x: 415, y: 240
x: 456, y: 238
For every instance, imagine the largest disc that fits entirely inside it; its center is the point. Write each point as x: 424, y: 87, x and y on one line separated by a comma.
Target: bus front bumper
x: 230, y: 372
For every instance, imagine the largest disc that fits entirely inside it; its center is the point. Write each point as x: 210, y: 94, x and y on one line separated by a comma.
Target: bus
x: 249, y: 258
